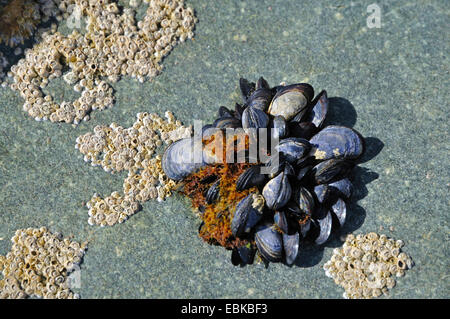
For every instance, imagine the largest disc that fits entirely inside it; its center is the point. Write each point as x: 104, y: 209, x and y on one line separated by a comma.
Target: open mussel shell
x: 180, y: 159
x: 293, y: 148
x: 331, y: 170
x: 319, y: 111
x: 290, y: 245
x: 277, y: 191
x: 247, y: 214
x: 338, y: 142
x: 269, y: 243
x: 325, y: 228
x: 340, y: 210
x: 250, y: 177
x: 291, y: 100
x: 253, y: 117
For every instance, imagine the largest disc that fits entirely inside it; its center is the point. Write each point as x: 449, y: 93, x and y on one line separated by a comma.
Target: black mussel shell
x: 179, y: 159
x: 213, y: 193
x: 243, y: 255
x: 277, y: 191
x: 302, y: 129
x: 340, y: 210
x: 247, y: 88
x: 260, y: 99
x: 293, y: 148
x: 322, y: 192
x: 290, y: 245
x: 238, y: 110
x: 331, y: 170
x: 279, y: 128
x: 337, y: 142
x: 225, y: 112
x: 279, y: 218
x: 303, y: 172
x: 291, y: 100
x: 269, y: 243
x: 250, y: 177
x: 325, y: 229
x: 342, y: 187
x: 247, y: 214
x: 319, y: 111
x: 227, y: 122
x: 305, y: 201
x: 262, y: 84
x: 254, y: 118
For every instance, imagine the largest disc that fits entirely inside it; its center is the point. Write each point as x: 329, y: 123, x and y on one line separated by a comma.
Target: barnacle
x: 132, y: 149
x: 39, y: 264
x: 370, y: 274
x: 114, y: 45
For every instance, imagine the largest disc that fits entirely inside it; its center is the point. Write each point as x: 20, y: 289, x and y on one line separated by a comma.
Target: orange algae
x: 217, y: 216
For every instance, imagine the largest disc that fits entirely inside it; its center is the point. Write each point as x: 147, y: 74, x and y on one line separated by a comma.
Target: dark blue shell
x: 322, y: 192
x: 279, y: 127
x: 340, y: 210
x: 331, y: 170
x: 179, y: 161
x: 290, y: 245
x: 269, y: 243
x: 319, y: 111
x: 305, y: 201
x: 337, y: 142
x: 280, y: 220
x: 293, y: 148
x: 277, y: 191
x: 343, y: 187
x: 245, y: 216
x: 254, y: 118
x: 325, y: 229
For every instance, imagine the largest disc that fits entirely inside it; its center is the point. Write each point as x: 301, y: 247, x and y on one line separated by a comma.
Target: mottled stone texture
x: 391, y: 84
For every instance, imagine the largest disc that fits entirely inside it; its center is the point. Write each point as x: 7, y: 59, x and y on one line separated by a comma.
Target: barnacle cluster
x: 364, y: 266
x: 20, y: 18
x: 132, y: 149
x: 39, y: 264
x: 114, y: 45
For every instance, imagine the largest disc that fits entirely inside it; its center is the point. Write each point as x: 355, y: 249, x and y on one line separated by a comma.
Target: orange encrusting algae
x: 217, y: 216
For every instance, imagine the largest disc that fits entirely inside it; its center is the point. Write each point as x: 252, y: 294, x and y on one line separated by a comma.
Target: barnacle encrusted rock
x: 364, y: 266
x: 113, y: 45
x: 132, y: 149
x: 39, y: 264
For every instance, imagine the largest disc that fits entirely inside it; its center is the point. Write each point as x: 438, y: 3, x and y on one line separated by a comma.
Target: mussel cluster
x: 301, y: 197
